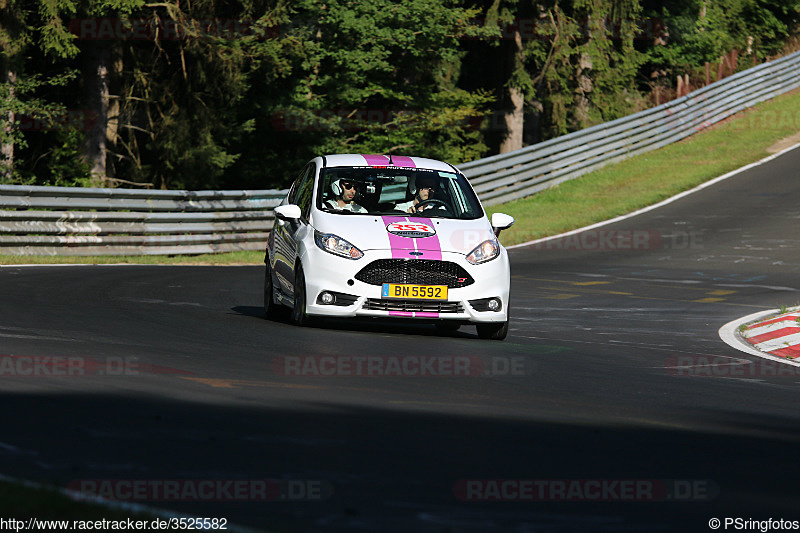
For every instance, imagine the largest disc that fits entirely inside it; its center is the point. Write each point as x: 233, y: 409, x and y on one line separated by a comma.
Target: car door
x: 289, y: 233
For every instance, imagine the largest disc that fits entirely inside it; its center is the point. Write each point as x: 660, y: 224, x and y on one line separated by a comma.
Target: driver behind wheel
x: 422, y: 190
x: 345, y: 193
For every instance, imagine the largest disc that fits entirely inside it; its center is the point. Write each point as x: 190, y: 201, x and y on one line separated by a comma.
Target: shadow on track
x: 401, y: 474
x: 372, y: 325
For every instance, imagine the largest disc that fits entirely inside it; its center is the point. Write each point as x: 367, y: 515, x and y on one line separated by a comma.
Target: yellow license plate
x: 423, y: 292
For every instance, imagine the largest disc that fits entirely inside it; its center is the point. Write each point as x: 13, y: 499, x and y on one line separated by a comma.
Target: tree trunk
x: 114, y: 108
x: 514, y: 122
x: 584, y: 89
x: 7, y: 149
x: 97, y: 95
x: 514, y: 117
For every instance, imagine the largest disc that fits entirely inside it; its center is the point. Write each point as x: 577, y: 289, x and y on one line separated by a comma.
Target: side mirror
x: 501, y: 221
x: 287, y: 213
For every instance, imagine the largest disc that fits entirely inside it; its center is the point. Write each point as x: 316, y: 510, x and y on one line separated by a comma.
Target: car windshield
x: 397, y: 191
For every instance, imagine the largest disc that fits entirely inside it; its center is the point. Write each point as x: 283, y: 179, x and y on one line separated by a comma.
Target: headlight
x: 486, y: 251
x: 337, y: 246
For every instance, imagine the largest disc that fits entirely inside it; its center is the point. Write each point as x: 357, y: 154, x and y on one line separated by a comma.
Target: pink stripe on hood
x: 431, y: 245
x: 399, y: 245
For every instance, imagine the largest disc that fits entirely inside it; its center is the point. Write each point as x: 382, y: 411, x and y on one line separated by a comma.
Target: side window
x: 296, y: 185
x: 305, y: 191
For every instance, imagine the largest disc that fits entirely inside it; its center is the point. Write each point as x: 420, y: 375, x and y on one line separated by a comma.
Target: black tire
x: 496, y: 331
x: 299, y: 316
x: 272, y: 309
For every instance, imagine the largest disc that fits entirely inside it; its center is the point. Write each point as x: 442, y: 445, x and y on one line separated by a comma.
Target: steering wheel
x: 434, y: 203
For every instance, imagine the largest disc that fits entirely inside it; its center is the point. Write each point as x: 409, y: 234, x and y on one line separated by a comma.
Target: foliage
x: 392, y: 66
x: 701, y: 31
x: 194, y: 104
x: 44, y: 129
x: 185, y: 98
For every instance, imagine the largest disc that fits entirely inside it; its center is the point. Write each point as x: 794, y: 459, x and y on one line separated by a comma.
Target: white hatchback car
x: 387, y: 236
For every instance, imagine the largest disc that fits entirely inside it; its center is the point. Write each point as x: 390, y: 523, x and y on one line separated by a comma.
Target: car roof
x: 376, y: 160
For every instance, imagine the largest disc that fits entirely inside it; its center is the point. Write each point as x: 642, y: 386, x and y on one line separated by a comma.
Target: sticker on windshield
x: 412, y: 230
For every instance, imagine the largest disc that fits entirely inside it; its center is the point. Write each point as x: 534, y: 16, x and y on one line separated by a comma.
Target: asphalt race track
x: 612, y: 406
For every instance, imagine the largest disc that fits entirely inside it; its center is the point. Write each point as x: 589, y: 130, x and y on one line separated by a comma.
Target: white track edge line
x: 661, y: 203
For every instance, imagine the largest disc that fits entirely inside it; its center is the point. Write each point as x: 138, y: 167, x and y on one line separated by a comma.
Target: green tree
x: 699, y: 31
x: 377, y: 75
x: 188, y: 103
x: 31, y: 33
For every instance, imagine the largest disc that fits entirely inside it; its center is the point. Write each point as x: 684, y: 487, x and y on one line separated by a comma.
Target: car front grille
x: 416, y: 271
x: 375, y: 304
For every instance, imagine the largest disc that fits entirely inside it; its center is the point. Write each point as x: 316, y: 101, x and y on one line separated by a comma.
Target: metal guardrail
x: 79, y: 221
x: 521, y: 173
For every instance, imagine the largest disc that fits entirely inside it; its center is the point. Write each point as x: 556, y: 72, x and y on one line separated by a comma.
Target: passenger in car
x: 344, y: 192
x: 422, y: 189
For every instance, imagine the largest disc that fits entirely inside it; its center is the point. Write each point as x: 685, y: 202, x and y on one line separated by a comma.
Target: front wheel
x: 271, y: 308
x: 494, y: 331
x: 299, y: 316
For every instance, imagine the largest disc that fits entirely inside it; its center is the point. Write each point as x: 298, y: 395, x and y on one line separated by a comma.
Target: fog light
x: 493, y: 304
x: 326, y: 298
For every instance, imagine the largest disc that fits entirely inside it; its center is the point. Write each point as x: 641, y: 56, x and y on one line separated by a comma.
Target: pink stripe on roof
x: 403, y: 161
x: 376, y: 159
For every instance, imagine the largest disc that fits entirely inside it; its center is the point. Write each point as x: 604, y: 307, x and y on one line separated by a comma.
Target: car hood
x: 407, y: 237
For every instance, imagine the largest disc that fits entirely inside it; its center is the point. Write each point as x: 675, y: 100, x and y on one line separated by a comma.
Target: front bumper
x: 325, y: 272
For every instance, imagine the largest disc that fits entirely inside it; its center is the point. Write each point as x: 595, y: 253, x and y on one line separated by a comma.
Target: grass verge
x: 601, y: 195
x: 21, y: 501
x: 50, y: 509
